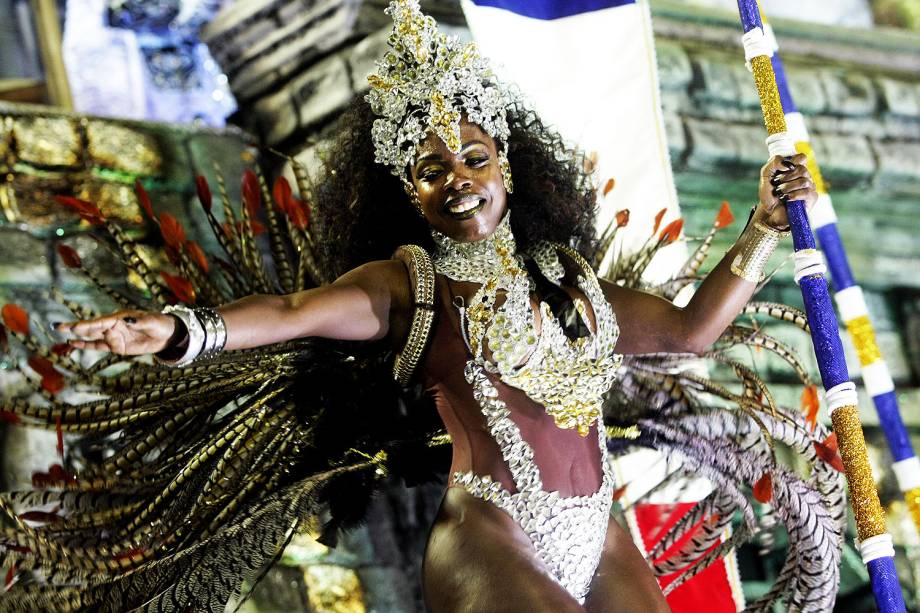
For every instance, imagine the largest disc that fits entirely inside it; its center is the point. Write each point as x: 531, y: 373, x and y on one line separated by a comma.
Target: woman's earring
x: 413, y: 197
x: 505, y: 167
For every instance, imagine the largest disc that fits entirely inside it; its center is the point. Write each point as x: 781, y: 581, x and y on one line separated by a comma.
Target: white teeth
x: 464, y: 206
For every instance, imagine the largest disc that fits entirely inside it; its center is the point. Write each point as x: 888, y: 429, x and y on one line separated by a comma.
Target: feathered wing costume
x: 188, y: 481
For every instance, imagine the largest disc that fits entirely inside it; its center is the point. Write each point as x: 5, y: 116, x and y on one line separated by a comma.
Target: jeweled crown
x: 425, y: 83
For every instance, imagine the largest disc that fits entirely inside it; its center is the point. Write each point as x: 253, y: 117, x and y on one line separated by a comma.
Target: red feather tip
x: 41, y: 516
x: 300, y: 213
x: 622, y: 218
x: 763, y: 489
x: 60, y: 436
x: 251, y: 192
x: 618, y: 493
x: 671, y: 232
x: 195, y: 252
x: 87, y: 211
x: 254, y: 225
x: 144, y: 198
x: 15, y: 318
x: 281, y: 193
x: 810, y: 405
x: 204, y: 192
x: 10, y: 576
x: 658, y: 220
x: 69, y: 256
x: 61, y: 349
x: 827, y: 451
x: 52, y: 379
x: 181, y: 288
x: 55, y: 475
x: 130, y: 553
x: 9, y: 417
x: 725, y: 217
x: 172, y: 231
x: 608, y: 186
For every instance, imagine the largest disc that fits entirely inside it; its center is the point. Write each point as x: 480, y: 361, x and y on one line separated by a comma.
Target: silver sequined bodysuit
x: 567, y: 532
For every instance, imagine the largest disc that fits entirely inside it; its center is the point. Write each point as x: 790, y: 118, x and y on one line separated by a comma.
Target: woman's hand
x: 781, y: 177
x: 125, y: 332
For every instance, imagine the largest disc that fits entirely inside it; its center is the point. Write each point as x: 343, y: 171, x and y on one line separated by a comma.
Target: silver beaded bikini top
x: 568, y: 377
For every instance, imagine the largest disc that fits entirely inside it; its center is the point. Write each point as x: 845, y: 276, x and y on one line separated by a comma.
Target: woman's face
x: 462, y: 194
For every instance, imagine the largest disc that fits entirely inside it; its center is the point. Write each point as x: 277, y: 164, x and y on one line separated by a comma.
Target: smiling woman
x: 363, y: 210
x: 460, y: 187
x: 515, y: 338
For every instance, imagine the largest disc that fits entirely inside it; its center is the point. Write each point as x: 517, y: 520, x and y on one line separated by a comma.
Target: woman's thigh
x: 623, y: 582
x: 479, y: 560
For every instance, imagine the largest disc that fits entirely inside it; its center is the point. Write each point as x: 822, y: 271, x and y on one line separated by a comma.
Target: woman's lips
x: 464, y: 207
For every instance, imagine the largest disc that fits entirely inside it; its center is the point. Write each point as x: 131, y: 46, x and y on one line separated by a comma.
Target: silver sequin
x: 567, y: 377
x: 567, y: 533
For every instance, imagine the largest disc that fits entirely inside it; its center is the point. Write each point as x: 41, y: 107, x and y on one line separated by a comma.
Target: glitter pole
x: 874, y: 542
x: 850, y: 302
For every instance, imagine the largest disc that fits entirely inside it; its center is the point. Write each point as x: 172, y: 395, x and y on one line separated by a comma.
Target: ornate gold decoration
x: 756, y: 246
x: 568, y: 377
x: 334, y: 589
x: 122, y: 148
x: 421, y: 273
x: 47, y: 141
x: 426, y: 83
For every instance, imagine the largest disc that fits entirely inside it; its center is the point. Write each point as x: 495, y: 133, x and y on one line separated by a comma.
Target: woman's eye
x: 477, y: 162
x: 430, y: 175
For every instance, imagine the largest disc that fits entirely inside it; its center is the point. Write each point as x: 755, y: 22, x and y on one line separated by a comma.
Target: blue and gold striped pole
x: 875, y: 543
x: 850, y: 303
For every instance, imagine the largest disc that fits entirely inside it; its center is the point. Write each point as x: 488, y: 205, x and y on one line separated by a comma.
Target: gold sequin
x: 870, y: 519
x: 913, y: 504
x: 803, y: 146
x: 773, y: 115
x: 863, y: 336
x: 629, y: 432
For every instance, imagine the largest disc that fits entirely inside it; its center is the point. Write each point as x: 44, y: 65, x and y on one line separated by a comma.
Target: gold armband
x: 756, y: 246
x: 421, y: 273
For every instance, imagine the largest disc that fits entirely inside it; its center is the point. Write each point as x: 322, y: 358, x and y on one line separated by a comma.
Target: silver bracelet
x: 196, y: 335
x: 215, y: 331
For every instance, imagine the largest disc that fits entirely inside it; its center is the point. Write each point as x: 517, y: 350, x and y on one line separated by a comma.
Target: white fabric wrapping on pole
x: 907, y: 472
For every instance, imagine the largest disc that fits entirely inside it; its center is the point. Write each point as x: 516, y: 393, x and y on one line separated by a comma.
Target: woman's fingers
x: 100, y: 345
x: 95, y: 328
x: 787, y: 187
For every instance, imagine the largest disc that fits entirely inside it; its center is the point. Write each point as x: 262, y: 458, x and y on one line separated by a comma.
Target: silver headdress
x: 425, y: 83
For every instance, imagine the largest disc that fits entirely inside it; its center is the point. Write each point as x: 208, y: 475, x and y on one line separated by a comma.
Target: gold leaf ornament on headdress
x: 425, y: 83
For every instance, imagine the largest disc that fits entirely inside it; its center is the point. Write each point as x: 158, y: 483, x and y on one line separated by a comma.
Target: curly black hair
x: 363, y: 214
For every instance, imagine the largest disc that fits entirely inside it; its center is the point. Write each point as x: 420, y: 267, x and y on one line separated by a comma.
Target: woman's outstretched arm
x: 367, y: 303
x: 650, y: 324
